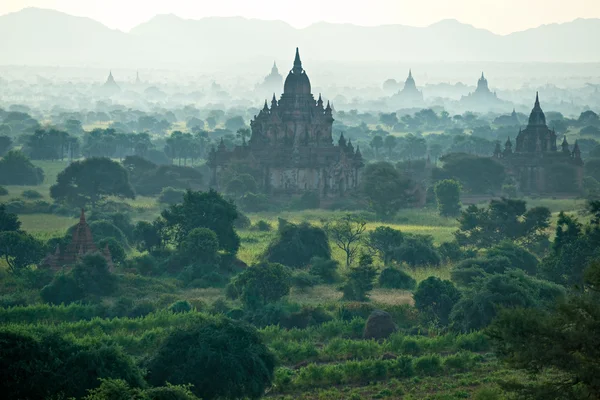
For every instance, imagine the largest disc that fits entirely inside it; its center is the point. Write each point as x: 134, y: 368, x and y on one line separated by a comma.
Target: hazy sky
x: 500, y: 16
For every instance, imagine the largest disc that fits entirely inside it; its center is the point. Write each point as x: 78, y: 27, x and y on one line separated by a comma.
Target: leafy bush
x: 117, y: 252
x: 394, y: 278
x: 181, y: 306
x: 428, y: 365
x: 303, y: 280
x: 296, y: 245
x: 3, y: 191
x: 359, y: 281
x: 518, y: 257
x: 262, y: 226
x: 451, y: 252
x: 416, y: 251
x: 17, y: 169
x: 242, y: 221
x: 447, y: 193
x: 170, y: 195
x: 514, y: 289
x: 260, y: 284
x: 471, y: 269
x: 32, y: 194
x: 434, y: 298
x: 50, y: 366
x: 145, y: 265
x: 105, y: 229
x: 62, y: 290
x: 221, y: 358
x: 325, y: 269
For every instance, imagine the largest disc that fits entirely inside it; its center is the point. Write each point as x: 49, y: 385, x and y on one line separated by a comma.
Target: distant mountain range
x: 51, y: 38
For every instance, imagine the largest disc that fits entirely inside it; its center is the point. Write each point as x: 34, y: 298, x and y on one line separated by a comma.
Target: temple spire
x: 537, y: 100
x: 82, y: 217
x: 297, y: 62
x: 273, y: 102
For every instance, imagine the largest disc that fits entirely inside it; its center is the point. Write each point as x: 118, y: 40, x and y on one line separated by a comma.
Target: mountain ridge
x: 49, y: 37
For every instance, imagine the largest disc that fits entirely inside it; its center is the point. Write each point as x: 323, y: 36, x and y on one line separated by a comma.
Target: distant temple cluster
x: 536, y: 163
x: 82, y: 243
x: 292, y: 144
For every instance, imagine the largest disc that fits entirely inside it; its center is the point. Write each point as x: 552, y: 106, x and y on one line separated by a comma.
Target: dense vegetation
x: 394, y: 291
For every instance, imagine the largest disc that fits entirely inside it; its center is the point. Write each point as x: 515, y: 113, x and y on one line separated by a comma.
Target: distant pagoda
x: 482, y: 99
x: 82, y: 243
x: 409, y: 96
x: 273, y: 82
x: 110, y: 86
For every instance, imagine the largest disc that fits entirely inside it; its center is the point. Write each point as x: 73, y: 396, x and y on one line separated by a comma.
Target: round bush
x: 221, y: 358
x: 3, y: 191
x: 170, y: 196
x: 181, y: 306
x: 32, y: 194
x: 393, y: 278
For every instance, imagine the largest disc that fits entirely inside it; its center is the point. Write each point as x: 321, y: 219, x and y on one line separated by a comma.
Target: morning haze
x: 299, y: 200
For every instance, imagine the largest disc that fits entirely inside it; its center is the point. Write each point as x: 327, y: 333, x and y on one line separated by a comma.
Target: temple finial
x: 82, y: 217
x: 297, y: 62
x: 537, y: 99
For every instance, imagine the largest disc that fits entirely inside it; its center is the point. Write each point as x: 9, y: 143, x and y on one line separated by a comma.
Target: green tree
x: 50, y: 366
x: 346, y: 233
x: 504, y: 219
x: 513, y: 289
x: 17, y: 169
x: 434, y: 298
x: 221, y: 358
x: 90, y: 181
x: 5, y: 144
x: 383, y: 241
x: 203, y: 210
x: 447, y: 193
x: 563, y: 339
x: 20, y: 250
x: 295, y: 245
x: 8, y: 221
x: 200, y: 246
x: 394, y: 278
x: 260, y: 284
x: 359, y: 281
x: 376, y: 144
x: 117, y: 252
x: 390, y: 142
x: 476, y: 174
x: 385, y: 189
x: 575, y: 246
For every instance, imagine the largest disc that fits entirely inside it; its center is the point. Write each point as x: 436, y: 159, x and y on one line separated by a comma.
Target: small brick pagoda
x: 82, y: 243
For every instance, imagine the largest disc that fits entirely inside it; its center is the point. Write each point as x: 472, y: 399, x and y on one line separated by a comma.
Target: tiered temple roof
x: 82, y: 243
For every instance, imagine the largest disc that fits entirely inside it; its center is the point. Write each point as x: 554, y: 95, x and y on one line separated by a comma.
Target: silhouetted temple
x: 536, y: 163
x: 292, y: 144
x: 409, y: 96
x: 482, y: 98
x: 273, y: 82
x: 82, y: 243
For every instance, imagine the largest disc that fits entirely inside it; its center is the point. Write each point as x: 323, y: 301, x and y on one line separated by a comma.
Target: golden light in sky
x: 499, y: 16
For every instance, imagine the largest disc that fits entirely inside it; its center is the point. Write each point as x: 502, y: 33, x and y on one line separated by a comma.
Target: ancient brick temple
x: 536, y: 164
x: 292, y: 145
x: 82, y: 243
